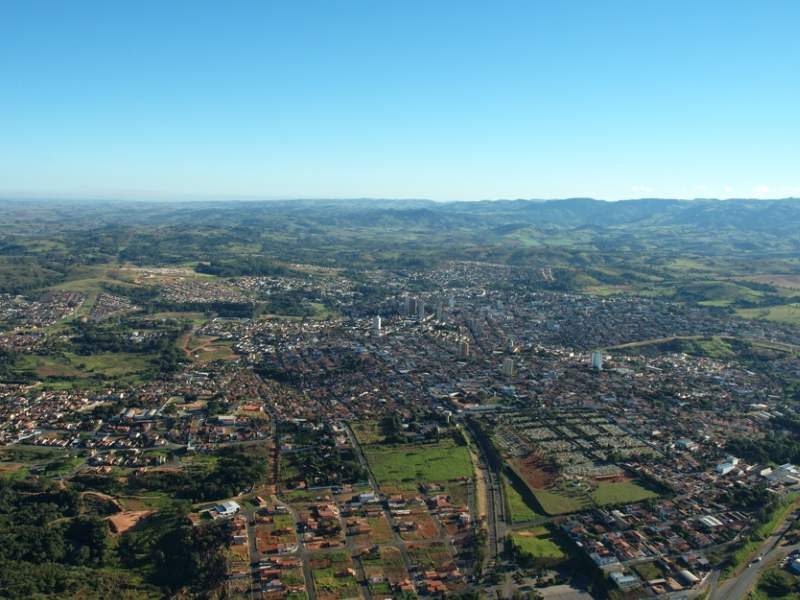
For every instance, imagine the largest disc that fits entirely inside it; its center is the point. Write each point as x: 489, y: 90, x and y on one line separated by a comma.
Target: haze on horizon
x: 448, y: 101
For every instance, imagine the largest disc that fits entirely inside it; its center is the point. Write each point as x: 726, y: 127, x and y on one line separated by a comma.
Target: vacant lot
x: 404, y: 467
x: 333, y: 576
x: 537, y: 543
x: 621, y: 492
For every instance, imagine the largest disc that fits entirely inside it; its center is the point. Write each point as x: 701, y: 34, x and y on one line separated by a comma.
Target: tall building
x: 508, y: 367
x: 376, y: 325
x: 597, y: 360
x: 420, y: 308
x: 463, y: 349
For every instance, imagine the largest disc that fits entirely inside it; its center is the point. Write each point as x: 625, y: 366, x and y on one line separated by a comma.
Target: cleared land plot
x: 405, y: 467
x: 368, y: 432
x: 429, y: 556
x: 333, y: 575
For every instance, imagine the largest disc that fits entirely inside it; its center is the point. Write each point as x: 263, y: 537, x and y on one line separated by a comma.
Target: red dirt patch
x: 122, y: 522
x: 536, y: 472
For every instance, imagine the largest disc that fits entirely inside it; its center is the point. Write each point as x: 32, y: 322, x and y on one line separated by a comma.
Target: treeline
x: 777, y: 448
x: 237, y: 468
x: 89, y: 338
x: 51, y: 548
x: 177, y: 554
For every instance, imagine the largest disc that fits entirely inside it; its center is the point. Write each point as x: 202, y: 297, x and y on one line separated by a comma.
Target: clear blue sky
x: 442, y: 100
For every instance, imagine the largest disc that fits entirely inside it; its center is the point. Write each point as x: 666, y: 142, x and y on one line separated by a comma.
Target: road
x: 495, y: 506
x: 771, y: 551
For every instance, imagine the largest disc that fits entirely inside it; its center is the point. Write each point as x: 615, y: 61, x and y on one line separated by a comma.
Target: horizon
x: 225, y: 200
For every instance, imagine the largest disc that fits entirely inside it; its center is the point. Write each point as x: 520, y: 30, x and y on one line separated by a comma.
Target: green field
x: 367, y: 432
x: 554, y: 503
x: 67, y: 365
x: 519, y: 509
x: 621, y: 492
x: 329, y: 578
x: 405, y: 467
x: 785, y: 313
x: 537, y: 543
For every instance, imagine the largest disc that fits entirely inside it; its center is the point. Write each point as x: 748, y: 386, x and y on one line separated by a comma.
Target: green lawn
x: 406, y: 466
x: 538, y: 543
x: 624, y: 492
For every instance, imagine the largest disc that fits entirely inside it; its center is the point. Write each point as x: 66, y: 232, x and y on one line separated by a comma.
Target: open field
x: 538, y: 543
x: 519, y: 509
x: 621, y: 492
x: 104, y: 365
x: 404, y: 467
x: 368, y: 432
x: 558, y: 496
x: 333, y: 576
x: 785, y: 313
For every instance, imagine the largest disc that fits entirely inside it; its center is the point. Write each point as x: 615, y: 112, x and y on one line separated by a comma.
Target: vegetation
x: 536, y: 547
x: 406, y: 466
x: 519, y: 508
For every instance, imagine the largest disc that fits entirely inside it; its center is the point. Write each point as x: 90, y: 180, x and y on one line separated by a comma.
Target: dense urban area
x: 312, y: 402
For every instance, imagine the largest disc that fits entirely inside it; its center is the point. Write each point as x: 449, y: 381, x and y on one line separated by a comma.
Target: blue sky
x: 442, y: 100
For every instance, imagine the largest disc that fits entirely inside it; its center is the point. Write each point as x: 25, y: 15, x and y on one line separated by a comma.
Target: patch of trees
x: 327, y: 466
x: 90, y: 338
x: 778, y: 448
x: 46, y: 546
x: 236, y: 310
x: 236, y: 469
x: 19, y: 274
x: 178, y: 554
x: 776, y: 583
x: 7, y: 360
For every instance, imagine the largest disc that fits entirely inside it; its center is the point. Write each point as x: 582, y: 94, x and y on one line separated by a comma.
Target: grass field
x: 785, y: 313
x: 330, y: 577
x: 519, y: 509
x: 537, y: 543
x: 104, y: 365
x: 405, y: 467
x: 621, y: 492
x: 554, y: 503
x: 368, y: 432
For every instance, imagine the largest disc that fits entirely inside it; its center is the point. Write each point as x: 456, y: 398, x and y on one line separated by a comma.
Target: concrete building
x: 508, y: 367
x: 376, y: 325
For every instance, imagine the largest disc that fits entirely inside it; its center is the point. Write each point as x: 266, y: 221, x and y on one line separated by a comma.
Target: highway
x: 771, y: 552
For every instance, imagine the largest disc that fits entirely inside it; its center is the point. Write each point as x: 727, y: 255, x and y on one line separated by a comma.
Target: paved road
x: 737, y: 588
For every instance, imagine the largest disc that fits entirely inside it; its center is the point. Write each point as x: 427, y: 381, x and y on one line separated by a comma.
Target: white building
x: 227, y: 509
